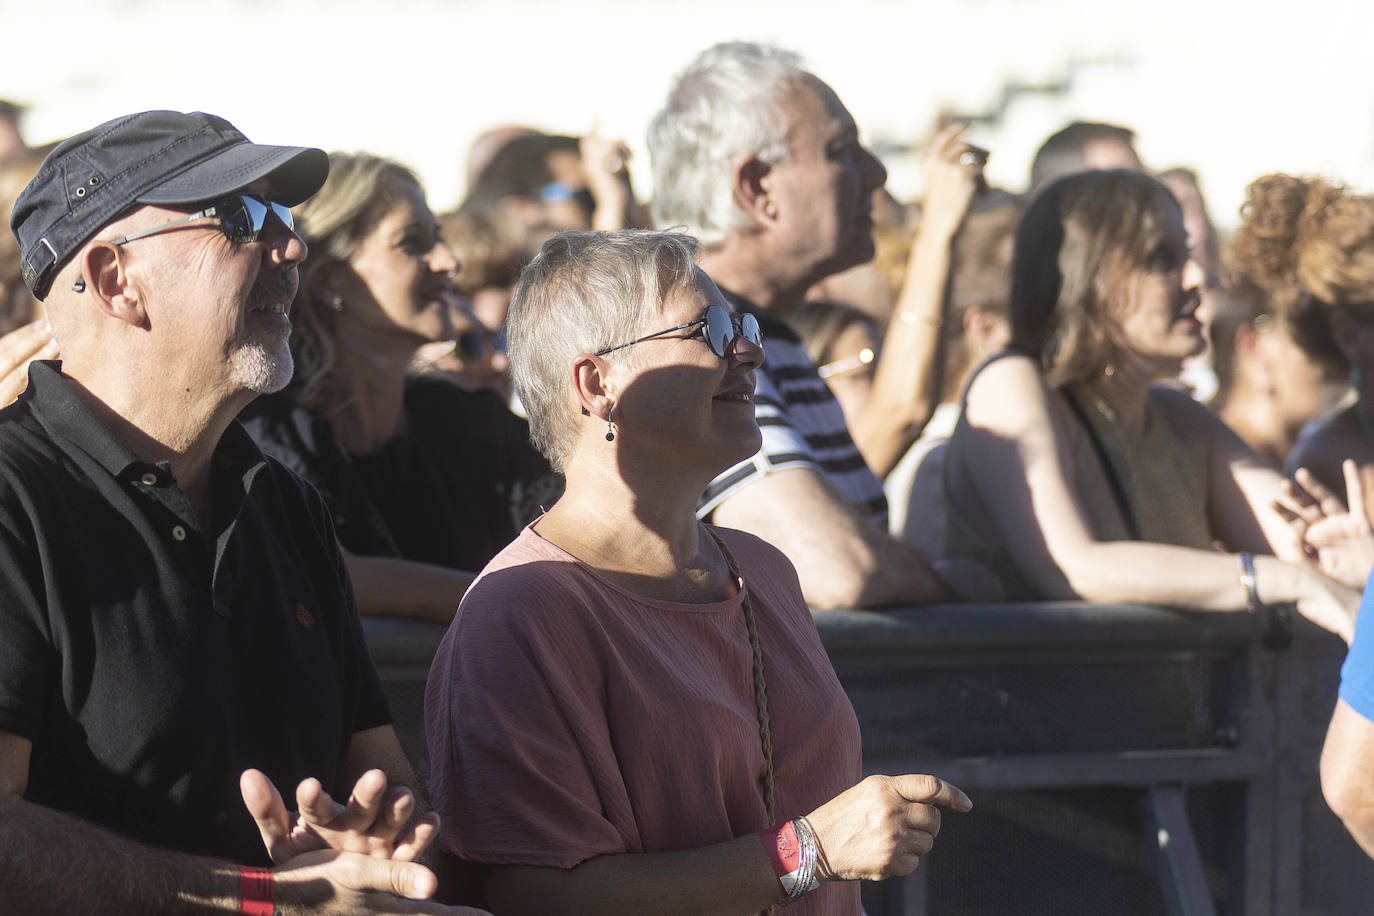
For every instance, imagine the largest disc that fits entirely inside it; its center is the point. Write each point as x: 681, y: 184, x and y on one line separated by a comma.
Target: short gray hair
x: 726, y: 104
x: 583, y: 292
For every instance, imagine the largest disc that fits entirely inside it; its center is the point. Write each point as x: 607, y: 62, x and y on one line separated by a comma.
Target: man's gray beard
x: 259, y: 368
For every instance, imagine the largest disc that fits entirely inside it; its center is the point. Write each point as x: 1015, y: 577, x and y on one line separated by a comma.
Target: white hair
x: 584, y: 292
x: 727, y: 103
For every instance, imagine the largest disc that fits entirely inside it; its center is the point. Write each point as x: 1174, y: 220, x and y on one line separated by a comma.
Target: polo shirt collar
x: 57, y: 406
x: 67, y: 418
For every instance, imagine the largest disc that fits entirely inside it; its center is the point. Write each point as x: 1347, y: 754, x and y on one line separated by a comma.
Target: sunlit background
x: 1232, y: 89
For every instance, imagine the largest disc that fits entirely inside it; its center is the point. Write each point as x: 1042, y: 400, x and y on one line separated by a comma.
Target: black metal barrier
x: 1122, y: 759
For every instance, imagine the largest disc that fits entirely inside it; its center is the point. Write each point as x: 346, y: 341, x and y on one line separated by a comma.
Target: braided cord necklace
x: 760, y: 684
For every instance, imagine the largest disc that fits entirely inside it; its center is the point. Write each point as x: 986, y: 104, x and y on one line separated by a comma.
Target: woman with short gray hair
x: 632, y: 711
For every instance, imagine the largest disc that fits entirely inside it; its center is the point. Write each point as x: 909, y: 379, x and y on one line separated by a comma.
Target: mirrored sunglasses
x: 242, y: 218
x: 719, y: 328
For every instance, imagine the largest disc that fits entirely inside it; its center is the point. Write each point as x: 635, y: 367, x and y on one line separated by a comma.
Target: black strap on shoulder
x: 1123, y: 503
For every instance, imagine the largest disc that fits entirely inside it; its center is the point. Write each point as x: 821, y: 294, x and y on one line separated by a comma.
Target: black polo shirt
x: 149, y: 661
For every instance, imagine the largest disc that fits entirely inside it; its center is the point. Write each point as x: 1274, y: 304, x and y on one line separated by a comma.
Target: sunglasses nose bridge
x: 254, y: 212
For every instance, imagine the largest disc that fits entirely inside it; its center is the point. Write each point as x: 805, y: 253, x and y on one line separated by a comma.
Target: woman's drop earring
x: 610, y: 432
x: 336, y: 303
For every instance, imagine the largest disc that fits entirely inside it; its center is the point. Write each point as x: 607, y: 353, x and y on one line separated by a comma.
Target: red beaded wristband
x: 257, y: 891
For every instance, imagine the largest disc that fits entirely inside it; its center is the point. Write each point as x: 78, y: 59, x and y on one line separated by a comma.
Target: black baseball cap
x: 153, y: 157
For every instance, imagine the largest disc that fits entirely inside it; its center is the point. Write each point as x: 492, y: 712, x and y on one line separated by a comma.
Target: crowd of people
x: 622, y: 447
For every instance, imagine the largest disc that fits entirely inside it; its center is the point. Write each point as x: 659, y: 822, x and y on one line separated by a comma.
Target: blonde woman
x: 426, y: 481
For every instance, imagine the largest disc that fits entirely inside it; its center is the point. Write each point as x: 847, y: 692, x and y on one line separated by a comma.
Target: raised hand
x: 881, y: 827
x: 953, y: 173
x: 373, y: 823
x: 604, y: 169
x: 1302, y: 505
x: 1343, y: 541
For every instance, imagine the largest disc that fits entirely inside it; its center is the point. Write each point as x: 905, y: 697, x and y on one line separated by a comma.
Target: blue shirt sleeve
x: 1357, y: 674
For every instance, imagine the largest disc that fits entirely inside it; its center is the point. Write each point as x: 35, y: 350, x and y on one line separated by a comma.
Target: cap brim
x: 293, y: 174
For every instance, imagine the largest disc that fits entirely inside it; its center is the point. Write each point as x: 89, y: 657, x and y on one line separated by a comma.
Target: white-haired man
x: 762, y: 161
x: 179, y: 635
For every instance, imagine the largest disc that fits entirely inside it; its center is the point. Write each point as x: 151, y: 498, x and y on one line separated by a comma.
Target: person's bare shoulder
x: 1007, y: 395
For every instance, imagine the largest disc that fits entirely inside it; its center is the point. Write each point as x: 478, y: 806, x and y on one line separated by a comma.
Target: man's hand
x: 348, y: 884
x: 373, y: 823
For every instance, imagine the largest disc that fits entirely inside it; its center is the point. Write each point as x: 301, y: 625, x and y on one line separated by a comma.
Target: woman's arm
x: 877, y: 829
x: 906, y: 381
x: 1018, y: 459
x: 393, y: 587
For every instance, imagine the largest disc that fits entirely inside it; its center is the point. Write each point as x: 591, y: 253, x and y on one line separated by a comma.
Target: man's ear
x: 110, y: 286
x: 752, y: 180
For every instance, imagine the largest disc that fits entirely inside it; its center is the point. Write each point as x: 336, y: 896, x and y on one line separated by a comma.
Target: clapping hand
x: 374, y: 822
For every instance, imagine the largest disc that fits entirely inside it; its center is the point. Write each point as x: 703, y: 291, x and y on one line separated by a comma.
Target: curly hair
x: 1309, y: 244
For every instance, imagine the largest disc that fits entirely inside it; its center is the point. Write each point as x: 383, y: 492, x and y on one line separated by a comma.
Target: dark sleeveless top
x: 1151, y: 488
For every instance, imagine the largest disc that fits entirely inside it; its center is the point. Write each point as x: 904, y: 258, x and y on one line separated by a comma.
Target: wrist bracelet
x: 257, y: 891
x: 913, y: 318
x: 1247, y: 579
x: 793, y: 850
x: 1278, y: 635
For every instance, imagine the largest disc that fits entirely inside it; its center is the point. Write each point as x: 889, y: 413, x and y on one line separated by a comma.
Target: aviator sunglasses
x: 719, y: 329
x: 242, y: 218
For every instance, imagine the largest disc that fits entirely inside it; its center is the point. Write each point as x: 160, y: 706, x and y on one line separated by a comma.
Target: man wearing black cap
x: 173, y: 608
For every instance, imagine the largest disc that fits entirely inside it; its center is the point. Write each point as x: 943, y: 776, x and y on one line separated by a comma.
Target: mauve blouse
x: 568, y: 717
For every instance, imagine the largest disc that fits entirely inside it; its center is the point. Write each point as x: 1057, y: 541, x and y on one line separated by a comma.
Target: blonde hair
x: 584, y: 292
x: 360, y: 190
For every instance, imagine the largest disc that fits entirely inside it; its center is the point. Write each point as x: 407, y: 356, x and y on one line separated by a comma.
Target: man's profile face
x: 221, y: 307
x: 823, y: 192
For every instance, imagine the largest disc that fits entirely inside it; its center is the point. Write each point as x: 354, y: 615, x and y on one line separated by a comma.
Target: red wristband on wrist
x: 257, y: 891
x: 784, y: 850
